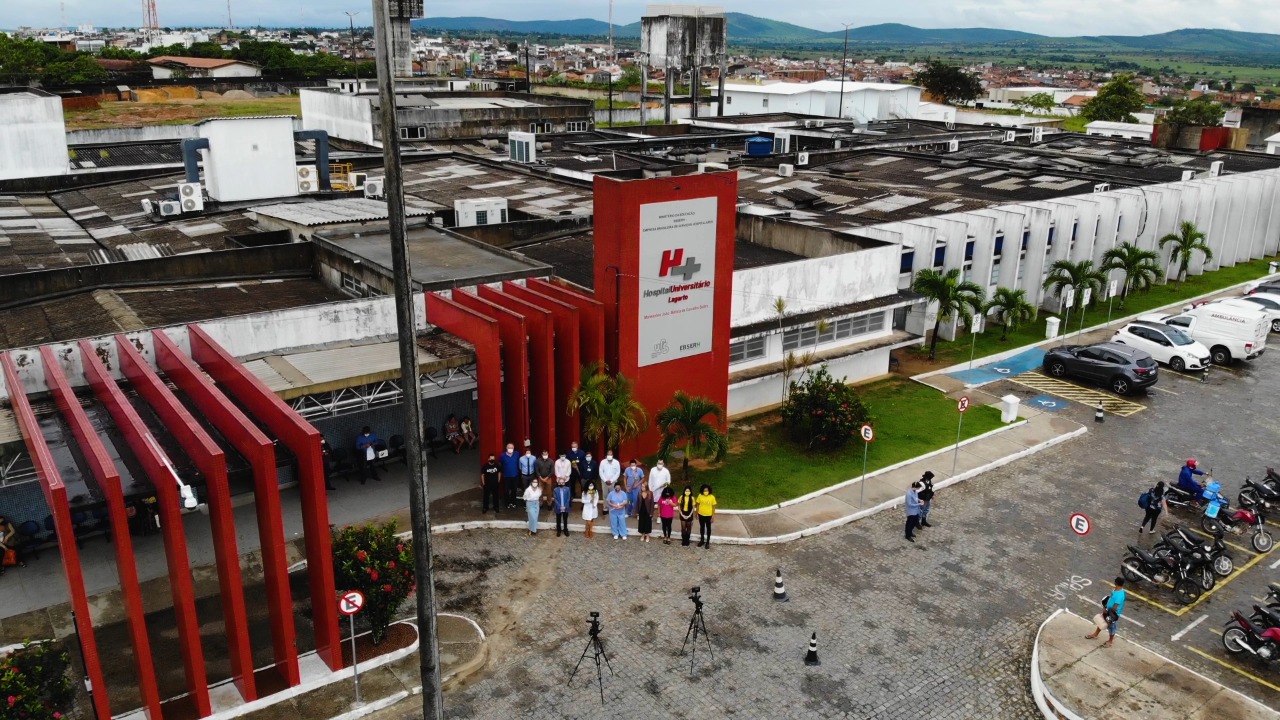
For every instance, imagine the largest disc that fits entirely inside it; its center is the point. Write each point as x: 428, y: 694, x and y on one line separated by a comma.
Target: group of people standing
x: 541, y: 483
x: 919, y: 500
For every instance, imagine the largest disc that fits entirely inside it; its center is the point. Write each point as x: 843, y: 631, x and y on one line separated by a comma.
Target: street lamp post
x: 351, y: 23
x: 844, y: 56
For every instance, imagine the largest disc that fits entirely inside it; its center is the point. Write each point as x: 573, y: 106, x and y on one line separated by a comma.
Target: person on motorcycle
x: 1186, y: 478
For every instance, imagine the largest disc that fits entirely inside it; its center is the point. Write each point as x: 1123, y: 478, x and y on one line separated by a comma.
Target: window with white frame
x: 354, y: 287
x: 809, y: 335
x: 578, y: 126
x: 747, y: 349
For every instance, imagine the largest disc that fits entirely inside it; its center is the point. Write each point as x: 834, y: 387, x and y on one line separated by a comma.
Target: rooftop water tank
x: 759, y: 146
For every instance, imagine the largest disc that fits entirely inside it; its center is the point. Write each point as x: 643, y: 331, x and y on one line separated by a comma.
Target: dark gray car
x: 1122, y: 368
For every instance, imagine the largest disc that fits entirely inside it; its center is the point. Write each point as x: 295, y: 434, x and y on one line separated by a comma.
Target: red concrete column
x: 541, y: 329
x: 108, y: 478
x: 160, y: 471
x: 482, y: 332
x: 258, y: 450
x: 304, y: 441
x: 515, y: 364
x: 591, y: 313
x: 55, y: 494
x: 567, y: 360
x: 212, y: 463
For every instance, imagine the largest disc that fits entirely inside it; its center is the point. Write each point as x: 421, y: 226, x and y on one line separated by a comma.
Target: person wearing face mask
x: 575, y: 456
x: 610, y: 471
x: 545, y: 469
x: 590, y: 509
x: 633, y: 478
x: 667, y: 512
x: 706, y: 508
x: 687, y: 508
x: 659, y: 477
x: 564, y: 470
x: 532, y: 502
x: 510, y: 464
x: 588, y: 471
x: 562, y: 502
x: 528, y: 471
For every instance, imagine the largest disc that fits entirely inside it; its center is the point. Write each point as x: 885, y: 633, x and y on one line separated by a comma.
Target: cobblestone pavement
x: 937, y: 629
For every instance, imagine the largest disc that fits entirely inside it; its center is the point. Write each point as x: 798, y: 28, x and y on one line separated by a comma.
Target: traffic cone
x: 1098, y: 414
x: 811, y: 658
x: 779, y: 591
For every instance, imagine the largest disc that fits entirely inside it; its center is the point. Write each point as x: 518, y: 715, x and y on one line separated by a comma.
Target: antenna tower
x: 150, y: 17
x: 230, y: 25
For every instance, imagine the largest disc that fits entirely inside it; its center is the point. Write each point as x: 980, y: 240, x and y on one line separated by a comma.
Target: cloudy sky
x: 1072, y: 17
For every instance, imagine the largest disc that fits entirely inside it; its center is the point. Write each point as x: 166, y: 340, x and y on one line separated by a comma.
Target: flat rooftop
x: 439, y: 182
x: 439, y: 260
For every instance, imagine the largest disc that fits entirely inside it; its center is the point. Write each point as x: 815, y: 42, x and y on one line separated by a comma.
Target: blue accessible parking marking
x: 1047, y: 403
x: 1001, y: 369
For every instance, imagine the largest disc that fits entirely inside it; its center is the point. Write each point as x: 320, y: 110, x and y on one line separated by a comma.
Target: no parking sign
x: 867, y: 433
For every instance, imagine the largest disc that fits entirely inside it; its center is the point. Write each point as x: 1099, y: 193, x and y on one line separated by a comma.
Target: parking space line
x: 1082, y: 395
x: 1222, y: 583
x: 1274, y: 565
x: 1129, y: 592
x: 1178, y: 635
x: 1153, y: 387
x: 1233, y: 668
x: 1225, y: 541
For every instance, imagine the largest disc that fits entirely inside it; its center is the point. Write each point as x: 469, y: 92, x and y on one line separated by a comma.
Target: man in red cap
x: 1186, y: 478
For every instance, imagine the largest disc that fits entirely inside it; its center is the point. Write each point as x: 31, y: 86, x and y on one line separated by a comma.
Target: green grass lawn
x: 989, y: 343
x: 765, y: 466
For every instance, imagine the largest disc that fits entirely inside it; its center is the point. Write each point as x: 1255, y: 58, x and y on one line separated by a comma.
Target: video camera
x: 594, y: 619
x: 695, y: 595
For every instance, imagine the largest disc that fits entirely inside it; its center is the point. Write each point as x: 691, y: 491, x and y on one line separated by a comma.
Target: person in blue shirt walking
x: 617, y: 503
x: 913, y: 510
x: 1112, y: 608
x: 510, y: 464
x: 367, y: 445
x: 562, y: 499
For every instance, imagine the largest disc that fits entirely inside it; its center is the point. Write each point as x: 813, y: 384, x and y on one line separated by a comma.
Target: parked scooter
x: 1242, y: 636
x: 1180, y: 541
x: 1142, y: 565
x: 1218, y: 516
x: 1272, y: 480
x: 1258, y: 496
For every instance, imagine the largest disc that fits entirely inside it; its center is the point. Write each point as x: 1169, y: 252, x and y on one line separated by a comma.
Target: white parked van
x: 1230, y: 333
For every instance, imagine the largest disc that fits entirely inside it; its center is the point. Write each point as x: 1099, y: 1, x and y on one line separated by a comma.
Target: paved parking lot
x: 938, y: 629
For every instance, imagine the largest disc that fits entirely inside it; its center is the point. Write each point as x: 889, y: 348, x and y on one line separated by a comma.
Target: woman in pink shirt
x: 667, y: 511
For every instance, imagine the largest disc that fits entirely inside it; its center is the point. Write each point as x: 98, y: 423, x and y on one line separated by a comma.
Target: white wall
x: 249, y: 159
x: 814, y: 283
x: 237, y: 70
x: 751, y: 395
x: 342, y: 116
x: 33, y: 140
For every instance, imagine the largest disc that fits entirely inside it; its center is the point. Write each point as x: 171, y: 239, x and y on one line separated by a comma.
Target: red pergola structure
x: 209, y: 378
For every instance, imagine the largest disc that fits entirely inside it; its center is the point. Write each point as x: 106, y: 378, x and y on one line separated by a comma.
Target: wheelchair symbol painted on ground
x: 1002, y: 371
x: 1047, y: 403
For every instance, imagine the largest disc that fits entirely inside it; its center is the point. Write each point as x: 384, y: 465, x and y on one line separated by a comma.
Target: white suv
x: 1167, y: 344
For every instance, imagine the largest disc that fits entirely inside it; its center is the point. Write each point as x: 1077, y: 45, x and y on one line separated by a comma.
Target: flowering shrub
x: 822, y: 412
x: 370, y: 558
x: 33, y: 682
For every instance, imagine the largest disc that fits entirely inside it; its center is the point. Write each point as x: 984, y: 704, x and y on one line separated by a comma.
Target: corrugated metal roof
x: 245, y: 117
x: 334, y: 212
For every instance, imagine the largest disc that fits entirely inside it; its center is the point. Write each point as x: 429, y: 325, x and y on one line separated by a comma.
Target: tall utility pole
x: 419, y: 508
x: 843, y: 57
x: 351, y: 23
x: 613, y: 56
x: 230, y: 25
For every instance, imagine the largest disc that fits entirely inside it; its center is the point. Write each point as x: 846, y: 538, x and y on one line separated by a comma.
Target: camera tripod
x: 596, y: 647
x: 697, y: 626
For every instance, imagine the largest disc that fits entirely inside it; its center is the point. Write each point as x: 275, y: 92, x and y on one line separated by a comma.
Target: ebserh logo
x: 673, y: 263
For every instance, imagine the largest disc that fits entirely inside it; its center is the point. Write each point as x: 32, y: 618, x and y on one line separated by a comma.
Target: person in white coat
x: 610, y: 471
x: 659, y: 478
x: 590, y: 508
x: 532, y: 498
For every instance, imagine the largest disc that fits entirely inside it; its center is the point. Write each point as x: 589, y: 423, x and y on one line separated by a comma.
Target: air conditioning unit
x: 148, y: 207
x: 1215, y: 169
x: 815, y: 123
x: 373, y: 188
x: 785, y: 170
x: 1010, y: 136
x: 191, y: 195
x: 802, y: 158
x: 356, y: 180
x: 953, y: 145
x: 1102, y: 187
x: 170, y: 208
x: 1188, y: 175
x: 308, y: 179
x: 1037, y: 135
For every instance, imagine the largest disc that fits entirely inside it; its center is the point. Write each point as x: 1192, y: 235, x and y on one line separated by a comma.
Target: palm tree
x: 955, y: 297
x: 1185, y: 244
x: 1065, y: 274
x: 684, y: 425
x: 607, y: 405
x: 1141, y: 268
x: 1010, y: 308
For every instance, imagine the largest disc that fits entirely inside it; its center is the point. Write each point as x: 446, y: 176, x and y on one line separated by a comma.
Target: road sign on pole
x: 349, y: 604
x: 867, y: 433
x: 962, y: 405
x: 1079, y: 523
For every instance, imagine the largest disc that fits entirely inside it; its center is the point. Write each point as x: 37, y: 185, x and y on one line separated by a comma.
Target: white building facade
x: 33, y: 135
x: 861, y: 102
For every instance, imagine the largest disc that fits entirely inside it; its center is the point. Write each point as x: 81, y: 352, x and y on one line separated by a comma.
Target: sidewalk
x: 826, y: 509
x: 1076, y: 678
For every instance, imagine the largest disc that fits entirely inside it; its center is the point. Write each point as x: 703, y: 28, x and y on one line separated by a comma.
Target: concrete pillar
x: 401, y: 47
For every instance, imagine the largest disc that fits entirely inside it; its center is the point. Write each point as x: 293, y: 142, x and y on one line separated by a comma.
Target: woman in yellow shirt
x: 706, y: 508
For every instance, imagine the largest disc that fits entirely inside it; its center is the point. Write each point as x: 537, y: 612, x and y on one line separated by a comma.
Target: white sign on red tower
x: 677, y: 279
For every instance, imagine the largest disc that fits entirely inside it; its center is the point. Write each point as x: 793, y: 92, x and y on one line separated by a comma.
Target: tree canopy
x: 949, y: 82
x: 1039, y: 101
x: 1116, y: 101
x: 1198, y: 111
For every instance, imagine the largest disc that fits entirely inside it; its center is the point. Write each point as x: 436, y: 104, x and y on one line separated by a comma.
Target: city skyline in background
x: 1087, y: 17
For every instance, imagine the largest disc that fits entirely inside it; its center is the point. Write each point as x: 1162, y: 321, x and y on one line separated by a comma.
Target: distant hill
x: 908, y: 35
x: 751, y: 29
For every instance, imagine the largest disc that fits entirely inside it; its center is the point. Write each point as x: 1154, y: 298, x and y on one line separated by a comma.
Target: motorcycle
x: 1180, y: 541
x: 1219, y: 517
x: 1258, y: 496
x: 1242, y: 636
x: 1272, y: 480
x: 1177, y: 497
x: 1265, y: 617
x: 1142, y: 565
